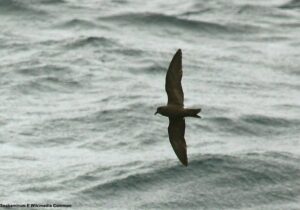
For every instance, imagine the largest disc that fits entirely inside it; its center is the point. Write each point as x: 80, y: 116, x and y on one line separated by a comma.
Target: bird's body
x: 175, y: 109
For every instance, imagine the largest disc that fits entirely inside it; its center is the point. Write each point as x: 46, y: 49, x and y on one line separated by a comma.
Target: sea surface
x: 80, y: 81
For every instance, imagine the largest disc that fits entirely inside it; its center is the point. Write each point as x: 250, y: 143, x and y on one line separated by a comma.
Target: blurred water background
x: 81, y: 80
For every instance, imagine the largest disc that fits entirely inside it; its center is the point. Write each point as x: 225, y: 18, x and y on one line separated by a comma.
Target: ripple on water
x: 261, y: 176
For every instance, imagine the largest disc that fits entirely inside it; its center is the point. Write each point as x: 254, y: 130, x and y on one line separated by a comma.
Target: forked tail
x: 192, y: 112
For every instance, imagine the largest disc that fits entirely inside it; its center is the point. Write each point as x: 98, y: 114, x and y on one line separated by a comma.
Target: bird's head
x: 158, y: 110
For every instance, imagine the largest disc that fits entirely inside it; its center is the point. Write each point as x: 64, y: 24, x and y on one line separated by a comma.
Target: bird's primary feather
x: 173, y: 81
x: 176, y: 135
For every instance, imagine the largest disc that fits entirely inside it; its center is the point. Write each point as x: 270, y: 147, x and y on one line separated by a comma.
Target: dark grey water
x: 81, y: 80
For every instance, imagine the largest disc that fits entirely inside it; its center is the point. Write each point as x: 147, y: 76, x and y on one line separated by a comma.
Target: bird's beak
x: 155, y: 113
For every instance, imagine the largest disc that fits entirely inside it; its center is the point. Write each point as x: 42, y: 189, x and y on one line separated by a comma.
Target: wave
x: 269, y: 121
x: 46, y: 78
x: 112, y: 117
x: 73, y: 23
x: 259, y: 10
x: 217, y: 180
x: 288, y: 106
x: 294, y: 4
x: 48, y: 69
x: 154, y: 68
x: 43, y: 189
x: 52, y: 1
x: 127, y: 51
x: 19, y: 158
x: 257, y: 125
x: 93, y: 41
x: 163, y: 20
x: 10, y: 6
x: 252, y: 9
x: 148, y: 67
x: 48, y: 84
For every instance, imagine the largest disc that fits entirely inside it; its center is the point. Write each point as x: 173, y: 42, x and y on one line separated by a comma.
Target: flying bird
x: 175, y: 109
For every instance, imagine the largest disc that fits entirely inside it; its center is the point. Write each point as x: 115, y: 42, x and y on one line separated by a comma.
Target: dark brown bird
x: 175, y: 109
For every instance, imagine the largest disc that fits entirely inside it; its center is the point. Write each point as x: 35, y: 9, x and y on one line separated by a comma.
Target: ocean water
x: 81, y: 80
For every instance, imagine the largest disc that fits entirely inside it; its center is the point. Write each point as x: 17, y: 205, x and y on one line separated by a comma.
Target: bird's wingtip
x: 178, y: 54
x: 184, y: 162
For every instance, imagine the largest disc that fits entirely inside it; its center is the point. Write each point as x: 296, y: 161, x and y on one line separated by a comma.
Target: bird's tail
x: 192, y: 112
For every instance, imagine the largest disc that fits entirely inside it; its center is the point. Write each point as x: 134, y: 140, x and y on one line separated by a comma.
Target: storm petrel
x: 175, y: 109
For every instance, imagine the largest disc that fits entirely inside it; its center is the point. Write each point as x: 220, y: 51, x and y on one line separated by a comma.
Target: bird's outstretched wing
x: 173, y: 80
x: 176, y: 135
